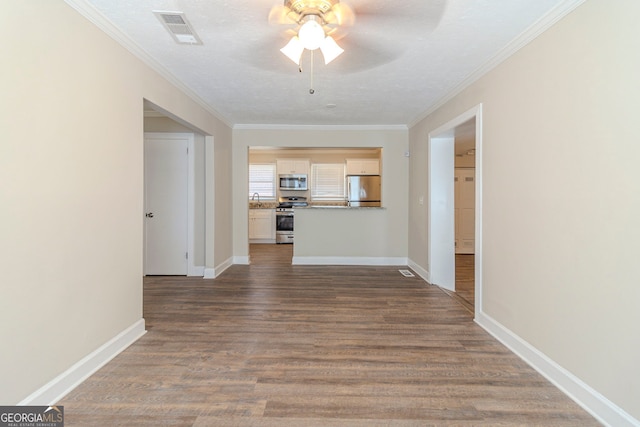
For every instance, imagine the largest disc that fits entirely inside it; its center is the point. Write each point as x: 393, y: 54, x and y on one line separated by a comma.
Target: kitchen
x: 284, y: 181
x: 374, y: 236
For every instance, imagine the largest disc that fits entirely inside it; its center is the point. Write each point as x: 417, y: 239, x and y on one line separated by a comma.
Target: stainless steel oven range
x: 284, y: 218
x: 284, y: 225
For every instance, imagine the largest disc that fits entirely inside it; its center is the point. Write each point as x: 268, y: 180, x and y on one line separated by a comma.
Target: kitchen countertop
x: 263, y: 205
x: 273, y: 205
x: 339, y: 207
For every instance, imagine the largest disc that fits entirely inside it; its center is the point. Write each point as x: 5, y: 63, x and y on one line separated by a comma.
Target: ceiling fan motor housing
x: 304, y: 8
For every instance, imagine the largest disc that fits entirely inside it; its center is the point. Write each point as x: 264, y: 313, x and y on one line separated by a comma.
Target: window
x: 327, y: 181
x: 262, y: 180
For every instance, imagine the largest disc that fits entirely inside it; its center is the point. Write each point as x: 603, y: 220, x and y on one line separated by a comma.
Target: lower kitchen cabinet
x: 262, y: 225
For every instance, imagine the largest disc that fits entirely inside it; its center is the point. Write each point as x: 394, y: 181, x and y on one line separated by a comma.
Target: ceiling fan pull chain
x: 311, y: 89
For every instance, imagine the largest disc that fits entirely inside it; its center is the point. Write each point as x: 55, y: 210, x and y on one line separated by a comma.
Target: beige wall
x: 164, y: 124
x: 71, y: 193
x: 219, y: 193
x: 561, y: 193
x: 394, y: 166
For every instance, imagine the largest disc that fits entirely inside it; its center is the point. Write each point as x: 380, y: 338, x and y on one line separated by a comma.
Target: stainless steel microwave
x: 293, y: 182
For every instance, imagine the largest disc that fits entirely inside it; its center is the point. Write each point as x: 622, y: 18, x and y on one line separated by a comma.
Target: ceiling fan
x: 316, y: 25
x: 379, y: 31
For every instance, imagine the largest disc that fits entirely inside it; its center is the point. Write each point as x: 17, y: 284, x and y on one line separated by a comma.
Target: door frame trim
x: 446, y: 131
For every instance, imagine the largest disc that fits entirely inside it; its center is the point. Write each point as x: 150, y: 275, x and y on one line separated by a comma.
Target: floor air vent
x: 406, y: 273
x: 178, y: 26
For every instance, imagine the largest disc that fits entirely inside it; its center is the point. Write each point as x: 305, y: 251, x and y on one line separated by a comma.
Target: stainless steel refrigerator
x: 363, y: 190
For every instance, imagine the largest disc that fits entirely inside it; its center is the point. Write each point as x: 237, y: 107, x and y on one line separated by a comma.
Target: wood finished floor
x: 270, y: 344
x: 465, y: 278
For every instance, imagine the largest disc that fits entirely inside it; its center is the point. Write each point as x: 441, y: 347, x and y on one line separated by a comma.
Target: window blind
x: 327, y: 181
x: 262, y: 180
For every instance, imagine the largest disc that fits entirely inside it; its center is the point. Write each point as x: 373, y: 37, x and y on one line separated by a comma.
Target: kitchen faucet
x: 254, y: 197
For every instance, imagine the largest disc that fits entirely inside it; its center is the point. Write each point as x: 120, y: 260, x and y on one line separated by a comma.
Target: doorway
x: 441, y: 218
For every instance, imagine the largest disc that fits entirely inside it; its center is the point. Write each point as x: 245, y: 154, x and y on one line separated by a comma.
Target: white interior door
x: 441, y: 227
x: 166, y: 170
x: 465, y: 210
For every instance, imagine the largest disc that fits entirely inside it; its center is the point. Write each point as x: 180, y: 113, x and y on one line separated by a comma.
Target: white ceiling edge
x: 526, y: 37
x: 95, y: 17
x: 318, y: 127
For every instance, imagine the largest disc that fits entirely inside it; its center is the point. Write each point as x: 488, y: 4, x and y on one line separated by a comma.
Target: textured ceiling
x: 400, y: 59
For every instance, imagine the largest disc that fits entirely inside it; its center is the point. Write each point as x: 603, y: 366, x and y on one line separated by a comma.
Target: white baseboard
x: 196, y: 271
x: 333, y: 260
x: 593, y: 402
x: 212, y: 273
x: 241, y: 260
x: 424, y: 274
x: 56, y: 389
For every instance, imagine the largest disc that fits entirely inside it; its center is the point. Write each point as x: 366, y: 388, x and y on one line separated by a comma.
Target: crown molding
x: 527, y: 36
x: 94, y: 16
x: 319, y: 127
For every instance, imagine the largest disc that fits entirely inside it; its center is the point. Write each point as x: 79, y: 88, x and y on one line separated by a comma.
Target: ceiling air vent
x: 178, y: 26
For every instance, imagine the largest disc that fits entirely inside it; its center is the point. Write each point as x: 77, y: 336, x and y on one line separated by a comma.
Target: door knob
x: 149, y: 214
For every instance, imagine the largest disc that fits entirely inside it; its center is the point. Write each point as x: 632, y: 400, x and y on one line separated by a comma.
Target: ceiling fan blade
x: 386, y: 16
x: 362, y: 53
x: 261, y: 54
x: 341, y: 14
x: 338, y: 19
x: 281, y: 14
x: 336, y: 32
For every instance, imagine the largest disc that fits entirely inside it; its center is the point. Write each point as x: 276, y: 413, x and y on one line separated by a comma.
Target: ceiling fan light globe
x: 311, y: 34
x: 330, y: 49
x: 293, y: 50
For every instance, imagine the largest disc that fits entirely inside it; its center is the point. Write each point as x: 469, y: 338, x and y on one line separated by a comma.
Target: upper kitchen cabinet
x: 292, y: 166
x: 363, y: 167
